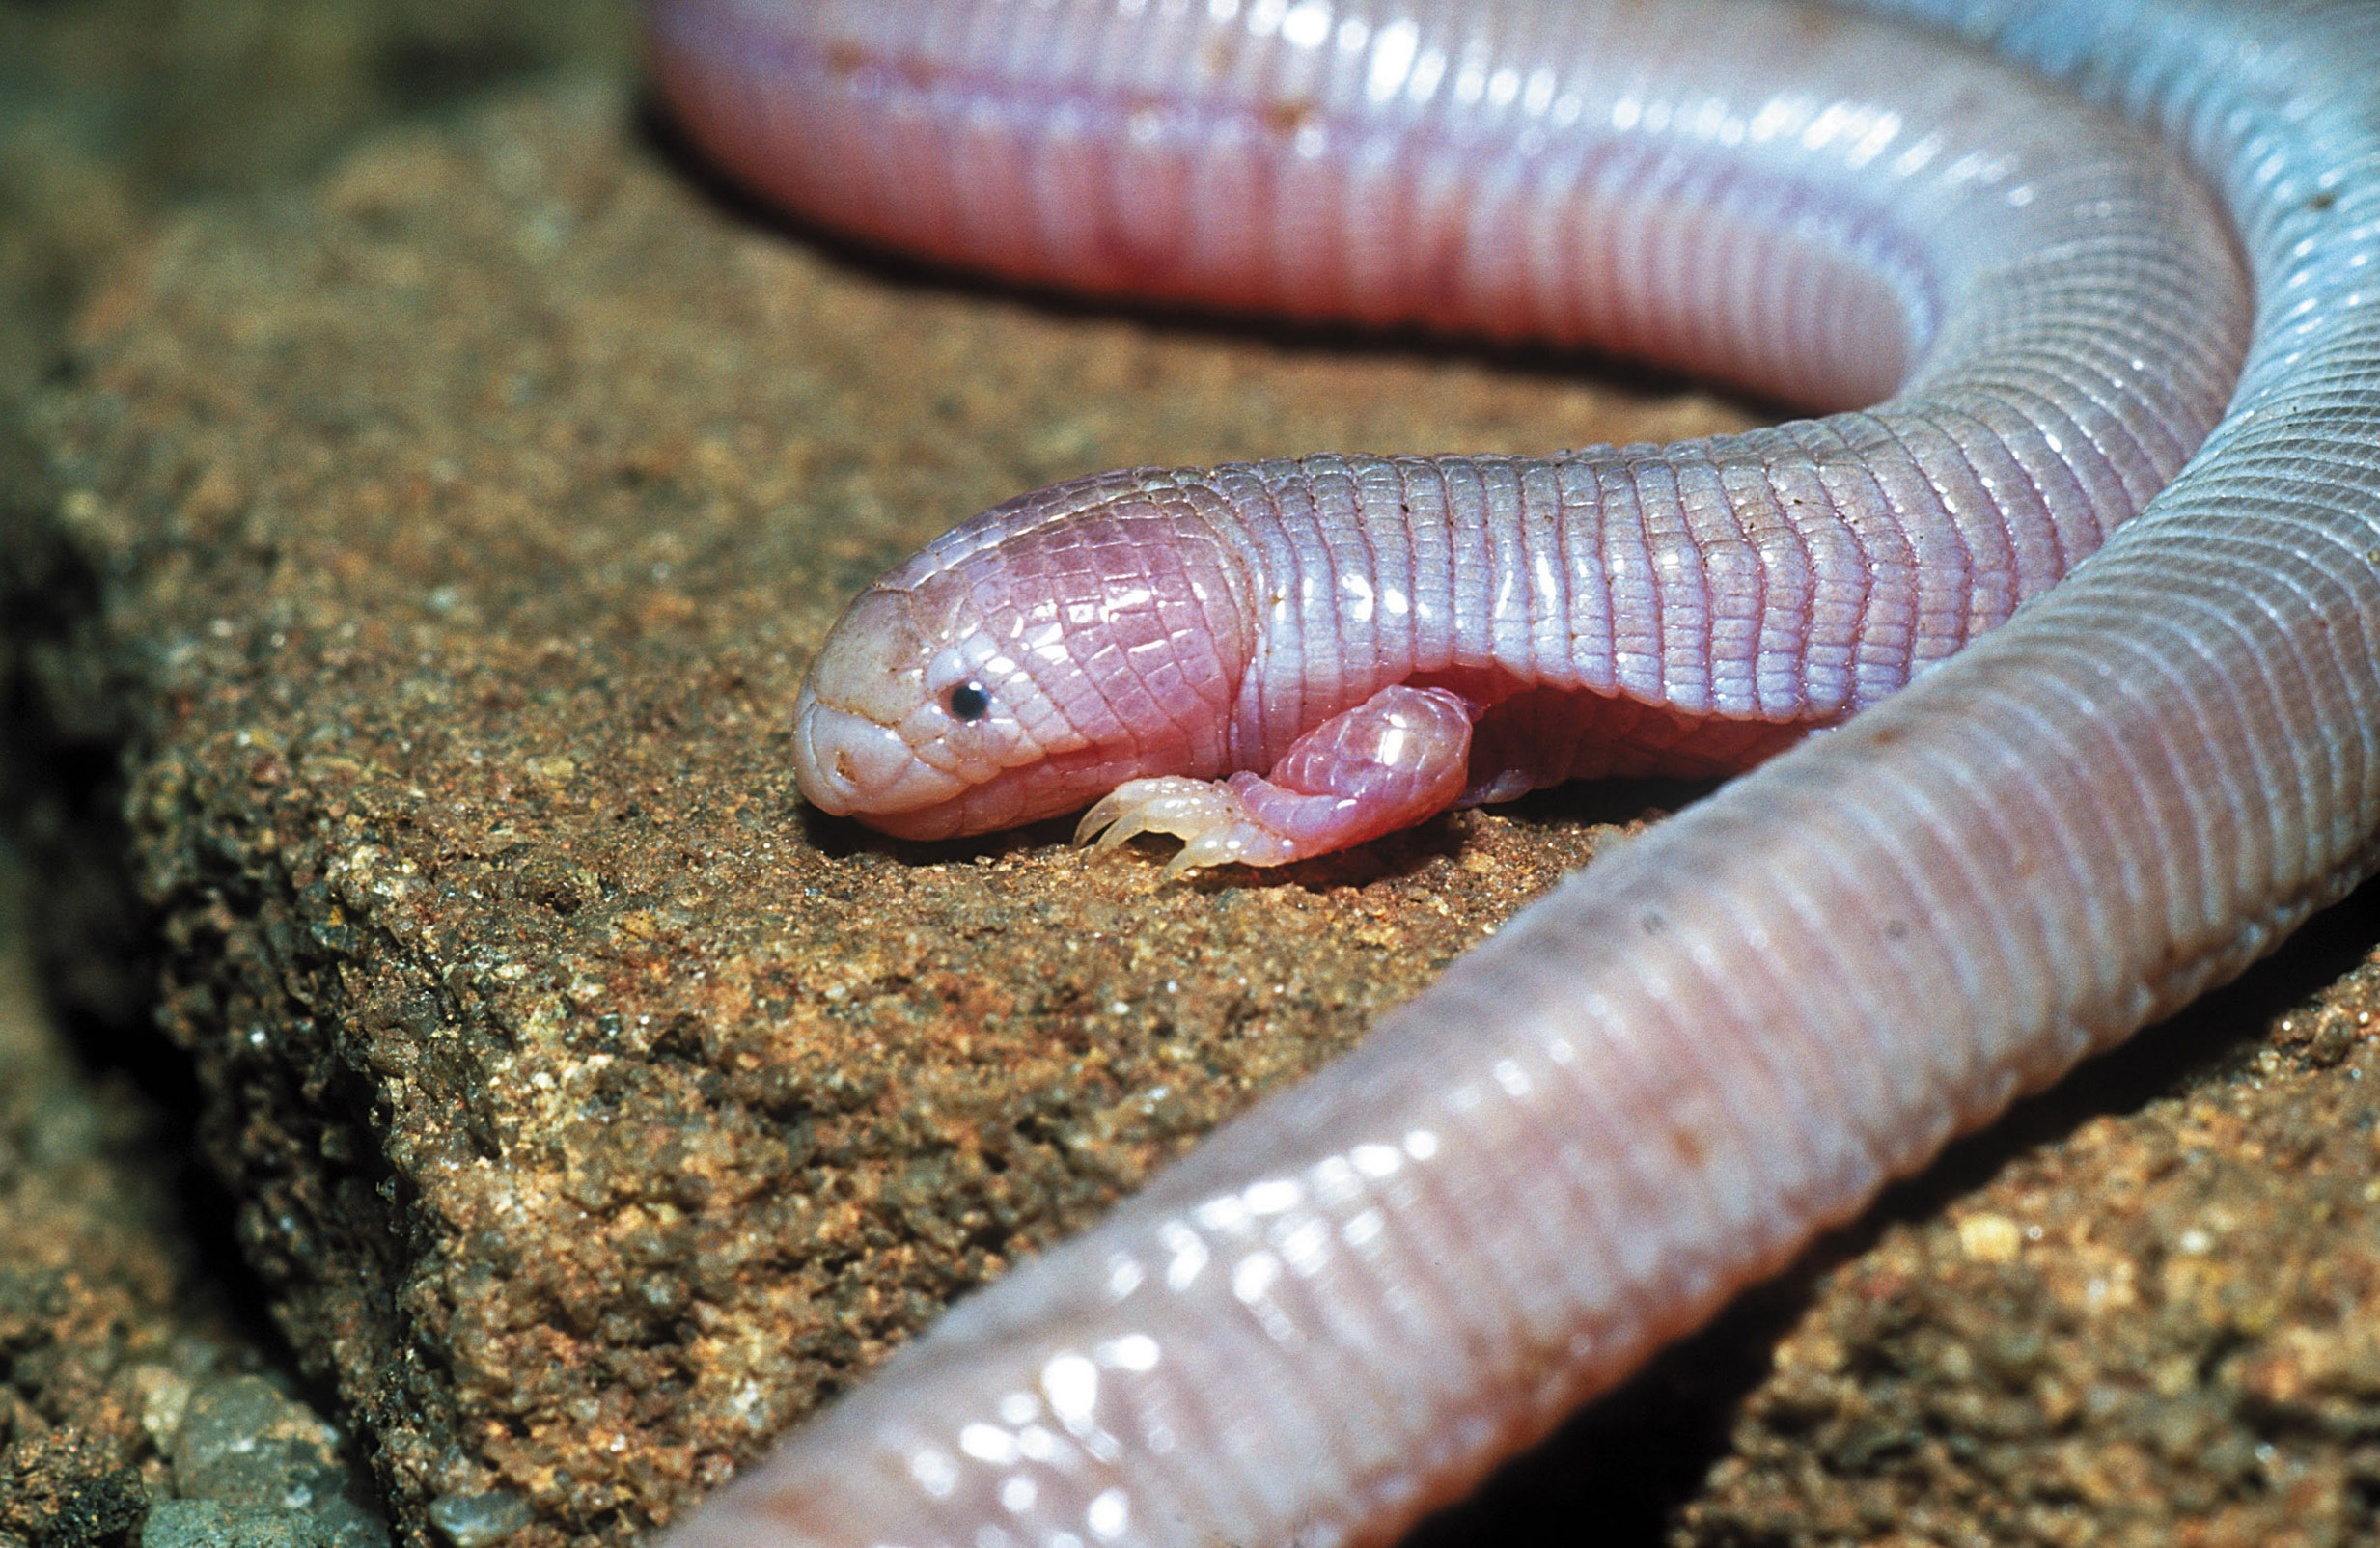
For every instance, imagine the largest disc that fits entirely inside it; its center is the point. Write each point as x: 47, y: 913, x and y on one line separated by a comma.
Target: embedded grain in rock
x: 594, y: 1110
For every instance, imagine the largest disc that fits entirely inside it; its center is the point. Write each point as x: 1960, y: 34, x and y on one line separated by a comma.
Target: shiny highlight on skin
x: 1657, y: 1083
x: 1747, y: 200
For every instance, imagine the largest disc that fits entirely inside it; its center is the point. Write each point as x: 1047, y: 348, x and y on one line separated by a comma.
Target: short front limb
x: 1396, y: 759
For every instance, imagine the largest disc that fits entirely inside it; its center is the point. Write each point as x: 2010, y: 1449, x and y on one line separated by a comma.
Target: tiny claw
x: 1103, y: 816
x: 1123, y: 827
x: 1216, y: 846
x: 1185, y: 861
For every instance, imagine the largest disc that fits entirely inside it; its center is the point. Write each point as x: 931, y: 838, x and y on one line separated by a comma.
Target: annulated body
x: 1658, y: 1082
x: 1767, y: 194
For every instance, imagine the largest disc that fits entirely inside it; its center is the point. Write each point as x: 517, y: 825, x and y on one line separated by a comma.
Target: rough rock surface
x: 113, y: 1335
x: 113, y: 110
x: 128, y: 1397
x: 457, y: 538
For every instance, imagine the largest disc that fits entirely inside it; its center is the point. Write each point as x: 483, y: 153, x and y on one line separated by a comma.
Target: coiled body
x: 1659, y: 1081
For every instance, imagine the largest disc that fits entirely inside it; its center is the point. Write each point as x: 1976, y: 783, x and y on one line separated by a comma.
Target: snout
x: 848, y: 765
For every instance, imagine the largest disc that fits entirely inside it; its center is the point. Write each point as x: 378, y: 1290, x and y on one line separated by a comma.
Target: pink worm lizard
x: 1657, y: 1083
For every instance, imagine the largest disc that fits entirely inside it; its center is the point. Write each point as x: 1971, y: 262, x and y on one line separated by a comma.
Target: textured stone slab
x: 114, y: 1333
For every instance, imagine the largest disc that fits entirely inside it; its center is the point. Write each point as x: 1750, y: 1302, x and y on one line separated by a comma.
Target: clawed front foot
x: 1395, y: 759
x: 1210, y: 819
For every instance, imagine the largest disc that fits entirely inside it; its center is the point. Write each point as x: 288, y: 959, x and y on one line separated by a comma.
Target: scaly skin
x: 1684, y: 609
x: 1658, y: 1082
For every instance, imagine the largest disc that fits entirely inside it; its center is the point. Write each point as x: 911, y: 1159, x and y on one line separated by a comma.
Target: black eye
x: 967, y: 701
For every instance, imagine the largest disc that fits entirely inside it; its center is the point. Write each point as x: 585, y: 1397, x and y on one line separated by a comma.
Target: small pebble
x: 212, y: 1524
x: 1990, y: 1239
x: 476, y: 1520
x: 247, y: 1448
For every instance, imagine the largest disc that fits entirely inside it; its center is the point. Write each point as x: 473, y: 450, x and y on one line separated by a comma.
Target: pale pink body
x: 1754, y: 205
x: 1656, y: 1084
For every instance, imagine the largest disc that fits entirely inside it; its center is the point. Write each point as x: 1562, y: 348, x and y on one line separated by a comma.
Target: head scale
x: 1030, y: 660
